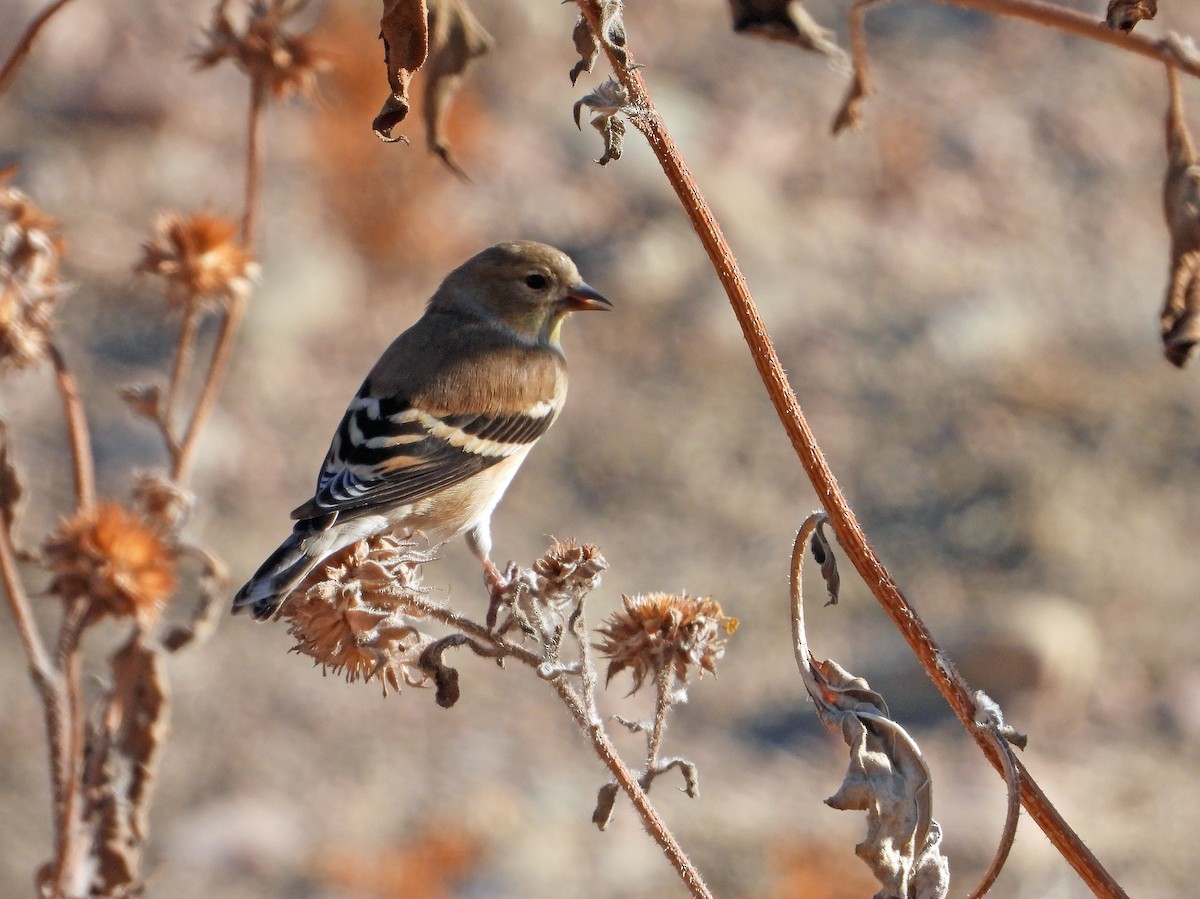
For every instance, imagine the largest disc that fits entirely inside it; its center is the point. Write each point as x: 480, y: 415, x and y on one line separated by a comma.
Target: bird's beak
x: 582, y: 297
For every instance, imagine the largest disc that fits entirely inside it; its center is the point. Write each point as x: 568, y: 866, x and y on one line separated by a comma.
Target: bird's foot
x: 499, y: 586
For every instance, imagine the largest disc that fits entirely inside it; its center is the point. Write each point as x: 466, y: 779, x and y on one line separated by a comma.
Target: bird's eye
x: 537, y: 281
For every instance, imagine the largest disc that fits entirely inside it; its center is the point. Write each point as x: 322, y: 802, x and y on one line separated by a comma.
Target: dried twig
x: 25, y: 44
x: 77, y: 431
x: 1047, y: 14
x: 644, y: 115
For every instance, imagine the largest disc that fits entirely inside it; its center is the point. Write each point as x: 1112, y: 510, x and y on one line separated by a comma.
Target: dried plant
x: 365, y: 614
x: 123, y: 561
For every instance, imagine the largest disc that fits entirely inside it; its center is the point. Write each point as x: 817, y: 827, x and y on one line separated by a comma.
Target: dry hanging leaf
x: 128, y: 743
x: 788, y: 21
x: 887, y: 777
x: 1125, y: 14
x: 1181, y: 205
x: 10, y: 484
x: 823, y: 556
x: 611, y: 36
x: 455, y: 38
x: 607, y: 101
x: 404, y: 29
x: 889, y: 780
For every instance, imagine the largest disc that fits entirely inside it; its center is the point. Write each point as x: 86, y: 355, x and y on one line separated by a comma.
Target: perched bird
x: 444, y: 419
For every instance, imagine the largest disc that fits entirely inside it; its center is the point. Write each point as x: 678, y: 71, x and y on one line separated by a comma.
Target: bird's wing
x: 395, y: 450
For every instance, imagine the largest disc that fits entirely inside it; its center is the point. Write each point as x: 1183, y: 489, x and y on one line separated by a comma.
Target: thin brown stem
x: 77, y: 431
x: 1046, y: 14
x: 1013, y: 780
x: 662, y: 705
x: 222, y: 351
x: 179, y: 369
x: 645, y: 117
x: 69, y: 819
x: 25, y: 44
x: 625, y: 778
x: 258, y: 97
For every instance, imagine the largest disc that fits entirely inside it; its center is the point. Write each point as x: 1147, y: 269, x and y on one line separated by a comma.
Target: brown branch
x: 258, y: 97
x: 645, y: 117
x: 68, y: 817
x: 1049, y: 15
x: 217, y: 366
x: 653, y: 822
x: 77, y: 431
x: 183, y: 359
x: 25, y: 44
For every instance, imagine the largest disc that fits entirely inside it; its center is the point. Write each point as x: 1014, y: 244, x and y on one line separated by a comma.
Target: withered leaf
x: 444, y: 677
x: 889, y: 780
x: 1125, y: 14
x: 455, y: 38
x: 788, y: 21
x: 611, y: 37
x: 142, y: 400
x: 606, y: 798
x: 607, y: 101
x: 586, y: 46
x: 129, y: 741
x: 823, y: 556
x: 214, y: 589
x: 10, y: 484
x: 1180, y: 319
x: 404, y: 29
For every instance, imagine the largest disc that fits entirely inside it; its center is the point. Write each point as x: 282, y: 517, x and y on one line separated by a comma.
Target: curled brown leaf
x: 787, y: 21
x: 1124, y: 15
x: 608, y: 102
x: 1180, y: 319
x: 455, y: 38
x: 404, y: 30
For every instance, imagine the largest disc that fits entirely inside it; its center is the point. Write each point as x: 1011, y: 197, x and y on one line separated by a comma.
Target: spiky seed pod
x: 116, y: 560
x: 664, y: 631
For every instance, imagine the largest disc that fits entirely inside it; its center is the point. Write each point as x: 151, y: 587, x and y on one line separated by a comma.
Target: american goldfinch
x: 444, y: 419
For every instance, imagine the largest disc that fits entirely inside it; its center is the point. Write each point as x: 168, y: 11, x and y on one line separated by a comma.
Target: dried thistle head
x: 114, y: 558
x: 285, y: 63
x: 161, y: 500
x: 567, y: 572
x: 352, y: 616
x: 30, y: 286
x: 199, y: 255
x: 665, y: 631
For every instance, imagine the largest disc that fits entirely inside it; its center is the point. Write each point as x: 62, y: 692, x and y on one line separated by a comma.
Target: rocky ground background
x: 965, y: 295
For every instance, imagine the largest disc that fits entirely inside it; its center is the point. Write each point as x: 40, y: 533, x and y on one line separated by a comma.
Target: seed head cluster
x: 203, y: 263
x: 29, y: 279
x: 661, y: 632
x: 115, y: 559
x: 353, y: 616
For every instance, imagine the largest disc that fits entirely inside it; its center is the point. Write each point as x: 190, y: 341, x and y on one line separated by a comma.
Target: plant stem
x: 645, y: 117
x: 258, y: 96
x: 183, y: 358
x: 77, y: 431
x: 653, y: 823
x: 25, y: 44
x: 67, y: 872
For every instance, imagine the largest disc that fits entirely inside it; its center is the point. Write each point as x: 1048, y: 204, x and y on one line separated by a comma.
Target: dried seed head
x: 114, y: 558
x: 162, y: 501
x: 567, y: 572
x: 204, y: 264
x: 29, y: 279
x: 352, y: 616
x: 284, y: 63
x: 665, y: 631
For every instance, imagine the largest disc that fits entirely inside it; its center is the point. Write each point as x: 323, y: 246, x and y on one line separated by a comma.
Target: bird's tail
x: 265, y: 592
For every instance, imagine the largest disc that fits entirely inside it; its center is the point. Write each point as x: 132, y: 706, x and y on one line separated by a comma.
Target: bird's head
x: 527, y: 287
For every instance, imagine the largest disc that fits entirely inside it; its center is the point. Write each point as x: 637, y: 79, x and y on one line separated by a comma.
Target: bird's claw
x: 499, y: 586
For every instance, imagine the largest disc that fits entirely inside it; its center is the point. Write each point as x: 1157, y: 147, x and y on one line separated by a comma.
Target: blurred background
x: 965, y: 295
